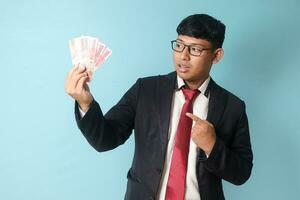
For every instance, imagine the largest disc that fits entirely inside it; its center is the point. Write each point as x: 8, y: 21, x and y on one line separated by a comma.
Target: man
x: 173, y: 159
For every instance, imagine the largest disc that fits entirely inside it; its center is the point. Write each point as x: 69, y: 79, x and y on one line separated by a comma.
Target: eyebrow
x: 180, y: 40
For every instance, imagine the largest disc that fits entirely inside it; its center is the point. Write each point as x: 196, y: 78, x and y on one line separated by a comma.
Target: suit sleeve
x: 106, y: 132
x: 232, y: 162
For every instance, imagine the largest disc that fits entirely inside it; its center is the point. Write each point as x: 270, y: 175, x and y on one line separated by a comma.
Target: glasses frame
x: 188, y: 46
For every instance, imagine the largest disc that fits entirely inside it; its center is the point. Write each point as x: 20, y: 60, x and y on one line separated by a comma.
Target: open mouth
x: 183, y: 68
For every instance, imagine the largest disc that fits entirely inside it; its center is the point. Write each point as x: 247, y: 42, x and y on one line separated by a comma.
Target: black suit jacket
x: 145, y: 108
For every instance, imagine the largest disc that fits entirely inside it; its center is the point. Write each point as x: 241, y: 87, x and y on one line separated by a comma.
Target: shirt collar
x: 202, y: 88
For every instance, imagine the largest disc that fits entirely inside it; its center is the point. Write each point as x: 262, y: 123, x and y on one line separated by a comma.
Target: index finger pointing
x: 194, y: 117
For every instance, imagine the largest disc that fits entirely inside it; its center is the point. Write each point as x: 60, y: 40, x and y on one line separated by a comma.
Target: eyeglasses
x: 194, y: 50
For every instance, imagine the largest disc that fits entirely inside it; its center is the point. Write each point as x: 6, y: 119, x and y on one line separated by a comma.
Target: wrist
x: 85, y: 106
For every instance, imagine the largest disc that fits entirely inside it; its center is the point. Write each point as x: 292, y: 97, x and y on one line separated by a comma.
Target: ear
x: 218, y: 55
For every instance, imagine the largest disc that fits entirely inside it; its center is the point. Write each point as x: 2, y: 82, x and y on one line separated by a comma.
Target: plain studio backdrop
x: 42, y: 153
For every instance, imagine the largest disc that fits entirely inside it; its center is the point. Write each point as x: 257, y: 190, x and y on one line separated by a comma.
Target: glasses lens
x: 196, y: 51
x: 176, y: 46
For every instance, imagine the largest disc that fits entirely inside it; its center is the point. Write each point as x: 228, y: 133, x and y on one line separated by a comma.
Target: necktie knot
x: 190, y: 94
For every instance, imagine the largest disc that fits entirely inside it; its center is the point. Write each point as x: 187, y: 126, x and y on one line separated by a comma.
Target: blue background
x: 42, y: 153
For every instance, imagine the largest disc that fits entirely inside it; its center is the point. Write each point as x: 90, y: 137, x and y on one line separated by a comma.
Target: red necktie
x: 177, y: 177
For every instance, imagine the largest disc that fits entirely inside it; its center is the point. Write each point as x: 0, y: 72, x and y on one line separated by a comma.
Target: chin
x: 184, y: 76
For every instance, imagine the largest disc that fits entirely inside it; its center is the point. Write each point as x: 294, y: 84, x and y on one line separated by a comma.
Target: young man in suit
x: 190, y: 133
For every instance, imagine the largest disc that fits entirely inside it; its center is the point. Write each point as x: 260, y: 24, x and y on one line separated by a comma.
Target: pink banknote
x: 89, y: 52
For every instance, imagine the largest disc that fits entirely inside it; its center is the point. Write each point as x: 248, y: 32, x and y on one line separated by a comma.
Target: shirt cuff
x: 82, y: 113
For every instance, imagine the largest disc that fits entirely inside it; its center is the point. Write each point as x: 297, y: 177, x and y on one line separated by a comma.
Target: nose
x: 185, y: 55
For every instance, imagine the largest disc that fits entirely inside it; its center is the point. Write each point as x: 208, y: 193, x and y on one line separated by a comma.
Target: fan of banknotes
x: 89, y: 52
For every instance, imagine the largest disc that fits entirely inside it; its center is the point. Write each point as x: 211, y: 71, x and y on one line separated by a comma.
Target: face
x: 195, y: 69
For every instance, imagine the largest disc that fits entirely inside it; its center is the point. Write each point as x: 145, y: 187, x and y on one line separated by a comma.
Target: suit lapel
x: 166, y: 86
x: 216, y: 104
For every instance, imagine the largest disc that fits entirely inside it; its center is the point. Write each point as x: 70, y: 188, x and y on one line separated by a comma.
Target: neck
x: 193, y: 85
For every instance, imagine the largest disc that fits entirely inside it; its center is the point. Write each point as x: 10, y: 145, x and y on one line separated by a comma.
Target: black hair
x: 203, y: 26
